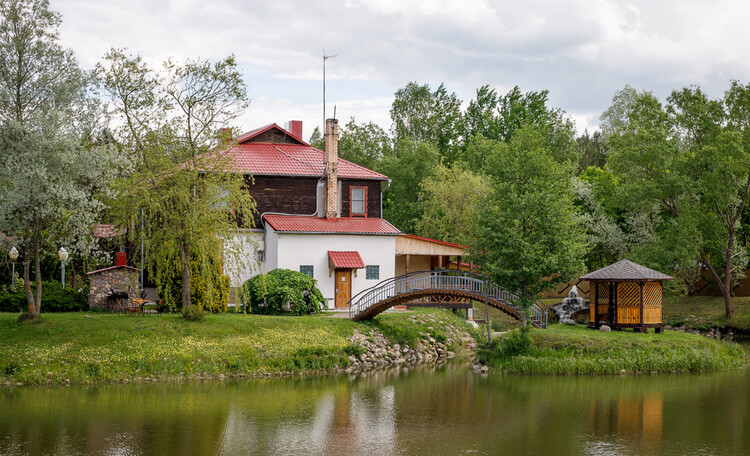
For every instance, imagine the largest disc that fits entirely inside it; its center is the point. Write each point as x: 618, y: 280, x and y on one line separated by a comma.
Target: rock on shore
x: 378, y: 351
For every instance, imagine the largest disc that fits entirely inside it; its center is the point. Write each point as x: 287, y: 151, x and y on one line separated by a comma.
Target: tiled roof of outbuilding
x: 625, y: 270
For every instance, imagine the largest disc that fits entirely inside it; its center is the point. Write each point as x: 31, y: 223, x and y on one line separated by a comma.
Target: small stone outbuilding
x: 102, y: 281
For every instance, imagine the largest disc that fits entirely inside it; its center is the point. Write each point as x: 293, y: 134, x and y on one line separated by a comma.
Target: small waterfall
x: 570, y: 306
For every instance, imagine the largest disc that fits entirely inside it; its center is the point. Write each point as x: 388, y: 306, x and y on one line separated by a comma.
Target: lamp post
x: 63, y: 255
x: 13, y: 254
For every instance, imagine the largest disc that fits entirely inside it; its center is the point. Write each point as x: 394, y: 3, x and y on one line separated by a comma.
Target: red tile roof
x: 345, y: 260
x: 264, y: 128
x: 283, y: 159
x: 113, y: 268
x: 342, y: 225
x: 102, y: 230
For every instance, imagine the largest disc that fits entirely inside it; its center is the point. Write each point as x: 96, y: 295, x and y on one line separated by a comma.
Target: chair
x: 115, y: 300
x: 142, y: 303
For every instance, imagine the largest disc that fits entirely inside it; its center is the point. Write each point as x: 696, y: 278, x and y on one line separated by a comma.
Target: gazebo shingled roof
x: 626, y: 270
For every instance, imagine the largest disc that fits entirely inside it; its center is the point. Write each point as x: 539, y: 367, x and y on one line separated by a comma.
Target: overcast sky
x: 581, y: 51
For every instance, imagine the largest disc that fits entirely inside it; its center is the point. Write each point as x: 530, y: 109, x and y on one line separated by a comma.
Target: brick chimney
x: 294, y: 127
x: 121, y: 259
x: 332, y: 165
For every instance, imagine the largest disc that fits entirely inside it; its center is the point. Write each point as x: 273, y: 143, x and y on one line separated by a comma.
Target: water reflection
x: 632, y: 418
x: 432, y: 411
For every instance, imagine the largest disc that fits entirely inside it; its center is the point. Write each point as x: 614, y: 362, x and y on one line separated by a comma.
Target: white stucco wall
x: 271, y: 254
x: 312, y: 249
x: 290, y: 251
x: 240, y: 258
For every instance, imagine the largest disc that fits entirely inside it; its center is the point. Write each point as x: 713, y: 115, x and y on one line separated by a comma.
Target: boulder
x: 605, y: 328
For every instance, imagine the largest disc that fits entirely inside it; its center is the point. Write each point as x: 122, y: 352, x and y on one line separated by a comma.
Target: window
x: 307, y: 270
x: 222, y: 199
x: 358, y: 197
x: 372, y: 272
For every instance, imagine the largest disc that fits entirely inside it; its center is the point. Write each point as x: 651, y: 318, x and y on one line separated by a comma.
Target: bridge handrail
x: 461, y: 280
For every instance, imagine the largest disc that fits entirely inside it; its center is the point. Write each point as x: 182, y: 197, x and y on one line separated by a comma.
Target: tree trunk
x: 524, y: 304
x: 27, y: 274
x: 727, y: 289
x: 34, y: 301
x: 37, y: 276
x: 27, y: 284
x: 725, y: 286
x: 185, y: 255
x: 728, y: 307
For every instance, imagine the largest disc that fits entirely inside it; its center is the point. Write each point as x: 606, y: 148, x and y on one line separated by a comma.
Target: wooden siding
x: 411, y: 246
x: 373, y: 196
x: 297, y: 195
x: 652, y: 303
x: 273, y: 136
x: 628, y: 303
x: 288, y: 195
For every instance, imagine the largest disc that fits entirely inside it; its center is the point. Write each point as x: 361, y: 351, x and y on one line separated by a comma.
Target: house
x: 320, y: 215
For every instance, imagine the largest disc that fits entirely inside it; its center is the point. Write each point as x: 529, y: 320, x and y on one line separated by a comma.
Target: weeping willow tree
x: 186, y: 192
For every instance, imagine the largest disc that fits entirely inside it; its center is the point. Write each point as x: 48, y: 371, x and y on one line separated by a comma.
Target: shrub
x: 193, y: 313
x: 498, y: 326
x: 209, y: 288
x: 517, y: 342
x: 55, y: 298
x: 282, y: 290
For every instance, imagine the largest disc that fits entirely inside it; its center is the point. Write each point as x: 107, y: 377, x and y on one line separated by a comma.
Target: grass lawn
x: 695, y: 312
x: 703, y: 312
x: 101, y: 347
x: 576, y: 350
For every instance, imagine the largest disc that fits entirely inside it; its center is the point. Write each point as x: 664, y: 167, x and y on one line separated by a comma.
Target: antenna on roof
x: 325, y: 57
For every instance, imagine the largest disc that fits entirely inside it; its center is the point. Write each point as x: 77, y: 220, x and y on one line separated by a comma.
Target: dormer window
x: 358, y: 201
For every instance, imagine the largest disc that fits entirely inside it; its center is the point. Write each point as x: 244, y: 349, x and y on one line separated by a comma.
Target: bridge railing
x: 448, y: 279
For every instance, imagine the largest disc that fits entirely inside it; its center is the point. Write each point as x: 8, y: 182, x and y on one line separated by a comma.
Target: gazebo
x: 626, y: 295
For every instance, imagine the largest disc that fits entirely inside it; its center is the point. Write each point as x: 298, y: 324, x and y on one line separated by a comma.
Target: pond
x: 427, y: 411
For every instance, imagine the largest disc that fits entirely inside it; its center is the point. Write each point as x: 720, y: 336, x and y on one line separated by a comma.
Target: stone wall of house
x: 120, y: 278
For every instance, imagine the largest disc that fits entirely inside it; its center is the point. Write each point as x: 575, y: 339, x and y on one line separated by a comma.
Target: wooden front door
x: 343, y: 287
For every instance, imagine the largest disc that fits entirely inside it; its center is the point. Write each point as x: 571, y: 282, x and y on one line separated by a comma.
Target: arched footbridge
x: 438, y: 286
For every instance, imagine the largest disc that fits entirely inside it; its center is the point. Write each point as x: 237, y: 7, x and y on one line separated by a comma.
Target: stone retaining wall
x: 379, y: 352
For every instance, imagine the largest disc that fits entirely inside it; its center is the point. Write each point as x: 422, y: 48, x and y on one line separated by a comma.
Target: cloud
x: 581, y: 50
